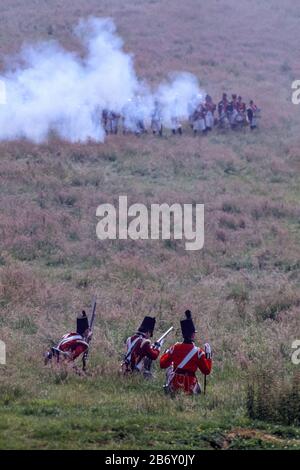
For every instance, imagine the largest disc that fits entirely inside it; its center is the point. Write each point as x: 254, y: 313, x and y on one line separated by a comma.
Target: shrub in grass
x: 18, y: 284
x: 66, y: 199
x: 10, y: 393
x: 271, y: 397
x: 240, y: 295
x: 238, y: 264
x: 230, y: 222
x: 230, y: 207
x: 285, y: 67
x: 24, y: 249
x: 221, y: 235
x: 27, y: 325
x: 277, y: 303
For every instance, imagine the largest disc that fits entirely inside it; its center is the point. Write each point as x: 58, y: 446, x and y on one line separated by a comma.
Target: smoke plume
x: 51, y: 90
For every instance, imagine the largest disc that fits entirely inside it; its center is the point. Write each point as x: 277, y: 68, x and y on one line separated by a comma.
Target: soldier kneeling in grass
x: 140, y: 350
x: 183, y: 360
x: 72, y: 345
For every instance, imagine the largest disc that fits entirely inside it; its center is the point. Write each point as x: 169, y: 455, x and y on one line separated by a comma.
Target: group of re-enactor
x: 181, y: 360
x: 231, y: 113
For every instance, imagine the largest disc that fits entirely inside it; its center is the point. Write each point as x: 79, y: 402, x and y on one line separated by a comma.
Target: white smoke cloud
x: 178, y: 95
x: 50, y: 89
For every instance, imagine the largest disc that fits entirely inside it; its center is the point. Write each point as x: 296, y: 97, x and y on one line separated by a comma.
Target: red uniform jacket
x: 141, y: 349
x: 74, y: 344
x: 241, y: 107
x: 210, y: 106
x: 222, y: 107
x: 185, y: 378
x: 199, y: 113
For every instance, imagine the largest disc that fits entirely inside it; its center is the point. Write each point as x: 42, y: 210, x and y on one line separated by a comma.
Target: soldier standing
x: 198, y: 118
x: 210, y: 108
x: 139, y: 348
x: 241, y: 106
x: 241, y: 109
x: 156, y: 119
x: 183, y: 360
x: 252, y: 112
x: 223, y: 106
x: 104, y: 120
x: 233, y: 111
x: 176, y: 125
x: 114, y: 122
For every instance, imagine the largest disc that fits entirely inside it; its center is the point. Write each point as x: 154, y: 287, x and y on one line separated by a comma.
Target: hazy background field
x: 243, y: 287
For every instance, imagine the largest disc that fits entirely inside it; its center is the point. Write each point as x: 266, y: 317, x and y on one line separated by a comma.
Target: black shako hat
x: 147, y: 324
x: 187, y: 325
x: 82, y: 323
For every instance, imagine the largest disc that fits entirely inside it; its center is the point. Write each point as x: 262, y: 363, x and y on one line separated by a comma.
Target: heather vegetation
x: 243, y: 287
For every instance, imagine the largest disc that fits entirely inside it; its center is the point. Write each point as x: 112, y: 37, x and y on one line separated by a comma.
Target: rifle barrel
x: 165, y: 334
x: 93, y: 314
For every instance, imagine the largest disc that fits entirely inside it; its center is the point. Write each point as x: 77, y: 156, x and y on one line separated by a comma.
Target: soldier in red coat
x: 222, y: 105
x: 210, y: 108
x: 224, y: 112
x: 72, y: 345
x: 198, y: 119
x: 241, y: 112
x: 184, y: 359
x: 241, y: 106
x: 233, y: 111
x: 252, y: 114
x: 234, y: 101
x: 139, y: 348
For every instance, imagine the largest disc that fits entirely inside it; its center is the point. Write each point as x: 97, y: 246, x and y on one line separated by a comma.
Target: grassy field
x: 243, y: 287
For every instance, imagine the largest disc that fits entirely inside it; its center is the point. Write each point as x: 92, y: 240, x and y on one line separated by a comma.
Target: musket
x: 157, y: 345
x: 208, y: 356
x: 92, y: 319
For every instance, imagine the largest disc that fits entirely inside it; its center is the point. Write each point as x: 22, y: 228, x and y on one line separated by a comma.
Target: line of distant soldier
x: 203, y: 116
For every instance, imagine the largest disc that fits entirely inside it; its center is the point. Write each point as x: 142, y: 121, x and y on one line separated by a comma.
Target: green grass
x: 98, y: 413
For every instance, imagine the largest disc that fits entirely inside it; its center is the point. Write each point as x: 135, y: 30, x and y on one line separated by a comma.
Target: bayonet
x: 159, y: 341
x: 157, y: 345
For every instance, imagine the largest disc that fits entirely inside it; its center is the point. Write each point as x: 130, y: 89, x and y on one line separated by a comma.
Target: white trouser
x: 156, y: 125
x: 233, y: 116
x: 199, y: 125
x: 114, y: 125
x: 209, y: 119
x: 240, y: 117
x: 175, y: 124
x: 108, y: 126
